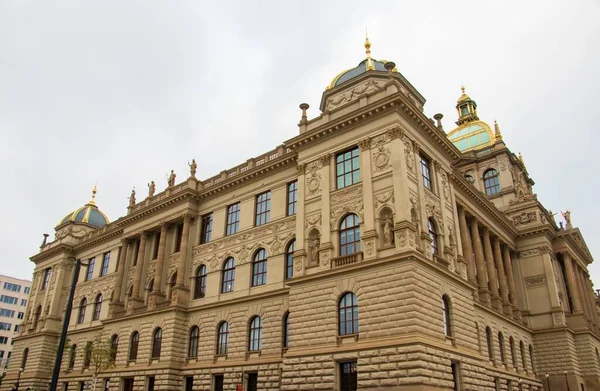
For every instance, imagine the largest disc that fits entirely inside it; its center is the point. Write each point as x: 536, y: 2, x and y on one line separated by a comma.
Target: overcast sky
x: 121, y: 92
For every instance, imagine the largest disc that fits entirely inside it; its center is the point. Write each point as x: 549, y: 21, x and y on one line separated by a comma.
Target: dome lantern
x: 467, y: 108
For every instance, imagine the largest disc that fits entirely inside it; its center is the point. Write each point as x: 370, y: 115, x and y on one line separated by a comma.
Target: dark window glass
x: 151, y: 382
x: 156, y: 244
x: 133, y: 347
x: 90, y: 269
x: 513, y: 357
x: 289, y: 259
x: 455, y: 376
x: 218, y: 382
x: 263, y: 208
x: 228, y: 277
x: 433, y: 235
x: 425, y: 172
x: 292, y: 198
x: 97, y: 307
x: 105, y: 264
x: 349, y: 235
x: 490, y: 343
x: 200, y: 282
x: 36, y: 316
x: 189, y: 383
x: 87, y: 356
x: 259, y: 268
x: 223, y: 338
x: 286, y: 330
x: 491, y: 182
x: 206, y: 229
x: 347, y: 168
x: 128, y: 384
x: 72, y: 356
x: 156, y: 343
x: 532, y: 358
x: 501, y: 346
x: 46, y: 282
x: 252, y: 381
x: 348, y: 380
x: 348, y: 314
x: 255, y: 342
x: 233, y: 219
x: 114, y: 347
x: 136, y: 250
x: 82, y: 307
x: 26, y: 354
x: 193, y: 345
x: 178, y: 236
x: 523, y: 359
x: 446, y: 315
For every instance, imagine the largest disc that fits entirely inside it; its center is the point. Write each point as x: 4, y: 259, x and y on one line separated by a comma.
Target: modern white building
x: 14, y: 294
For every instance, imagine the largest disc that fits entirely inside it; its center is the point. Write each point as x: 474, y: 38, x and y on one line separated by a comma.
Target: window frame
x: 89, y: 274
x: 206, y: 223
x: 105, y: 264
x: 259, y: 268
x: 255, y: 334
x: 289, y: 259
x: 489, y: 342
x: 352, y: 176
x: 193, y: 343
x: 114, y: 347
x: 292, y: 198
x: 72, y: 357
x: 200, y: 278
x: 345, y: 230
x: 228, y: 276
x: 156, y: 344
x: 446, y: 307
x: 433, y: 235
x: 286, y: 330
x: 46, y: 280
x: 262, y: 208
x: 501, y: 347
x: 97, y: 307
x: 222, y: 338
x: 348, y: 305
x: 348, y: 375
x: 87, y: 354
x: 491, y: 183
x: 178, y: 238
x: 232, y: 225
x: 426, y: 174
x: 134, y: 344
x: 82, y: 308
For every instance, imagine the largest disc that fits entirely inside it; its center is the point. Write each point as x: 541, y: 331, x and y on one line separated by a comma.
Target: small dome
x: 471, y: 135
x: 87, y: 214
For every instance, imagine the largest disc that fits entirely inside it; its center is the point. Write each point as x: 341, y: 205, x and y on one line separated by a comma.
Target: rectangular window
x: 206, y: 229
x: 128, y: 384
x: 292, y: 198
x: 27, y: 290
x: 426, y: 172
x: 5, y: 326
x: 9, y: 299
x: 105, y: 263
x: 189, y: 383
x: 16, y: 328
x: 46, y: 281
x: 252, y: 382
x: 178, y: 236
x: 151, y: 381
x: 12, y: 287
x: 218, y: 383
x: 348, y: 380
x: 81, y: 386
x: 263, y: 208
x: 3, y: 340
x: 20, y: 315
x: 259, y: 272
x: 233, y: 219
x: 66, y: 386
x: 347, y: 168
x: 455, y: 376
x: 23, y: 303
x: 90, y: 269
x: 106, y: 384
x: 8, y: 313
x: 156, y: 243
x: 136, y: 250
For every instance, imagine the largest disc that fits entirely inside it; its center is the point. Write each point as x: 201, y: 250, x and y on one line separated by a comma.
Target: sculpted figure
x: 132, y: 198
x: 314, y: 250
x: 151, y: 189
x: 193, y: 167
x: 388, y: 232
x: 567, y: 216
x: 171, y: 180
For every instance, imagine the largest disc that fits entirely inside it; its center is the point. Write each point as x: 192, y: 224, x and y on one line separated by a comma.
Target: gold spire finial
x: 497, y: 133
x: 462, y: 88
x: 93, y: 200
x: 368, y: 47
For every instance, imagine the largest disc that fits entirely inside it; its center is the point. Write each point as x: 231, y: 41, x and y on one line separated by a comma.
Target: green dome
x: 472, y: 135
x: 87, y: 214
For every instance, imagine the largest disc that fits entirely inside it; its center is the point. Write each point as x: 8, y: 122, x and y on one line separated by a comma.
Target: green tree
x: 102, y: 357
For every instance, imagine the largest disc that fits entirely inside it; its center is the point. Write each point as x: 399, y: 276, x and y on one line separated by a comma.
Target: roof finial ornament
x: 462, y: 88
x: 497, y: 133
x: 93, y: 200
x: 367, y: 44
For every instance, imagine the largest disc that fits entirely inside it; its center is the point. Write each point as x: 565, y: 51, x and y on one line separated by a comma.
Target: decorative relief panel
x: 381, y: 158
x: 346, y: 194
x: 349, y: 96
x: 312, y: 220
x: 409, y: 154
x: 351, y: 207
x: 384, y: 198
x: 445, y: 186
x: 535, y: 281
x: 313, y: 178
x: 534, y: 252
x: 524, y: 218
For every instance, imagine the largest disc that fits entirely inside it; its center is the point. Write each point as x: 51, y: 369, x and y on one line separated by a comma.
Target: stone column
x: 502, y: 277
x: 121, y: 268
x: 512, y: 290
x: 327, y: 163
x: 491, y: 270
x: 572, y: 284
x: 300, y: 253
x: 181, y: 290
x: 139, y: 266
x: 403, y: 227
x: 590, y: 286
x: 587, y: 308
x: 160, y: 260
x: 467, y: 246
x: 369, y: 237
x: 484, y: 293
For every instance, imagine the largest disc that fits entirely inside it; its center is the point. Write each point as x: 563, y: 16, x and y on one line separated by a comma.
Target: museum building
x: 374, y: 250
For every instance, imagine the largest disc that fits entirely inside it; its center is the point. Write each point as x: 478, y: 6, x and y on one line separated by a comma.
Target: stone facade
x: 458, y: 286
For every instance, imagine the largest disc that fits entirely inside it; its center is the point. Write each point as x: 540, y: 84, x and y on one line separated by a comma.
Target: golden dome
x: 472, y: 135
x: 87, y: 214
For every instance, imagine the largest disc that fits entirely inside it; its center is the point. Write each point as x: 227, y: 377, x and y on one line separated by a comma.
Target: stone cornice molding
x: 98, y: 239
x: 153, y: 208
x: 60, y: 248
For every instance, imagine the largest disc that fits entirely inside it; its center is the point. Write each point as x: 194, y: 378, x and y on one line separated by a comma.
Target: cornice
x: 153, y: 208
x: 60, y: 248
x: 117, y: 231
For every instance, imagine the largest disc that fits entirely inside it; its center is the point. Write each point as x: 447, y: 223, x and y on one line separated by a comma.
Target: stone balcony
x: 346, y: 260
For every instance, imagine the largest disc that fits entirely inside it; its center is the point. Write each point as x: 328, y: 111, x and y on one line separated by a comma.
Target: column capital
x: 301, y: 169
x: 416, y: 146
x: 325, y: 159
x: 395, y: 132
x: 189, y: 216
x: 364, y: 144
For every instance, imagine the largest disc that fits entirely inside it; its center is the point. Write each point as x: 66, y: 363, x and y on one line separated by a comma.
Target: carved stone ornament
x: 355, y: 93
x: 384, y: 198
x: 395, y: 132
x: 533, y: 252
x: 300, y: 169
x: 401, y: 238
x: 313, y: 220
x: 381, y: 158
x: 313, y: 178
x: 380, y: 139
x: 346, y: 195
x: 364, y: 144
x: 445, y: 186
x: 408, y: 154
x: 298, y: 265
x: 370, y: 247
x: 524, y: 218
x: 502, y: 164
x: 324, y: 257
x: 353, y: 207
x: 535, y: 281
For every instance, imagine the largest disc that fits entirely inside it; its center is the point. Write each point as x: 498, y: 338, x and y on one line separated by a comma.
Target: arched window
x: 289, y: 259
x: 156, y: 343
x: 193, y: 345
x: 513, y: 357
x: 286, y: 329
x: 491, y: 182
x: 490, y: 343
x: 523, y: 359
x: 72, y: 356
x: 223, y: 338
x: 172, y: 283
x: 114, y: 347
x: 433, y: 236
x: 26, y: 353
x: 200, y: 282
x: 532, y: 358
x: 133, y: 346
x: 446, y: 316
x: 348, y: 314
x: 228, y: 276
x: 349, y: 235
x: 36, y: 316
x: 259, y: 268
x: 501, y: 346
x: 255, y: 340
x: 97, y: 307
x: 82, y: 306
x: 87, y: 355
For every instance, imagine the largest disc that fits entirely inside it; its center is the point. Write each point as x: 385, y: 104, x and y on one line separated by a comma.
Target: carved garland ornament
x: 353, y: 207
x: 381, y: 158
x: 524, y: 218
x: 355, y: 93
x: 313, y: 178
x: 384, y: 198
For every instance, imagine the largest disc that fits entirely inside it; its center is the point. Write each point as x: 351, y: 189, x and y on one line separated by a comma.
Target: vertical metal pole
x: 63, y: 334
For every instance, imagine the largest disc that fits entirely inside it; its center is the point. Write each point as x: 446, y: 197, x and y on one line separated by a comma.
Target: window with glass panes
x: 82, y: 308
x: 349, y: 235
x: 255, y: 342
x: 193, y: 343
x: 90, y: 269
x: 200, y: 282
x: 491, y: 182
x: 223, y: 338
x: 105, y: 264
x: 263, y: 208
x: 426, y: 172
x: 348, y: 314
x: 206, y: 229
x: 289, y: 259
x: 292, y: 198
x: 348, y: 378
x: 178, y: 236
x: 347, y: 168
x: 233, y: 219
x: 46, y: 281
x: 259, y: 268
x: 133, y: 347
x: 97, y: 307
x: 156, y: 343
x: 228, y: 277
